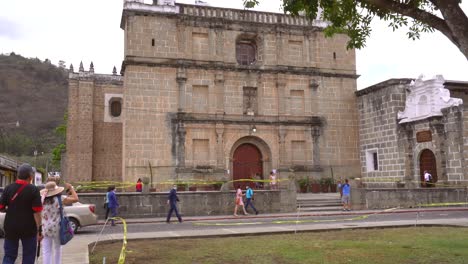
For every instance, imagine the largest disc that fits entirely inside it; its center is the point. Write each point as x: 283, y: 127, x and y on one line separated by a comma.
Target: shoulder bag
x: 66, y: 231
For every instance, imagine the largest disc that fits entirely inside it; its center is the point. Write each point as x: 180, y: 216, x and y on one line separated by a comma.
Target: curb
x: 191, y: 219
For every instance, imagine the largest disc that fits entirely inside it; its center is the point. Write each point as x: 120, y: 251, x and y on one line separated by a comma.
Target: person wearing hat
x: 22, y: 202
x: 52, y: 249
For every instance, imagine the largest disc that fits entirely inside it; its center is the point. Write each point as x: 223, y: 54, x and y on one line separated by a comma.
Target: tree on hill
x: 353, y: 17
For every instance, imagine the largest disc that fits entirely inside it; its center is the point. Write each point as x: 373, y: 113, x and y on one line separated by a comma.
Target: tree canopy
x: 353, y: 17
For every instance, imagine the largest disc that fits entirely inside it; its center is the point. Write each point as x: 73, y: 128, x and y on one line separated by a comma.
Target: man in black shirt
x: 22, y: 202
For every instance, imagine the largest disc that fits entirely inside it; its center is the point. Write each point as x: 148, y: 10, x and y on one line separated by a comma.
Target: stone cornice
x: 383, y: 85
x: 248, y: 120
x: 97, y: 78
x: 224, y: 66
x: 222, y: 16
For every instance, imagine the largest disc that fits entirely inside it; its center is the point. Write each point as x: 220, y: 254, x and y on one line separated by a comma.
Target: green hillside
x: 34, y: 93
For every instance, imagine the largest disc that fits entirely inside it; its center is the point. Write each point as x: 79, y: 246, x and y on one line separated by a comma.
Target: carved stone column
x: 219, y: 83
x: 181, y: 82
x: 220, y: 145
x: 282, y: 147
x: 316, y: 132
x: 281, y: 87
x: 314, y: 100
x: 181, y: 132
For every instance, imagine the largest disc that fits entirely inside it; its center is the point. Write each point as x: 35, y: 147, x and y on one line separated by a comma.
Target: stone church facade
x: 216, y: 94
x: 410, y: 126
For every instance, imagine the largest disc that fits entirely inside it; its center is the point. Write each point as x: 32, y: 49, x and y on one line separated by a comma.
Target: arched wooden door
x: 247, y: 161
x: 427, y: 162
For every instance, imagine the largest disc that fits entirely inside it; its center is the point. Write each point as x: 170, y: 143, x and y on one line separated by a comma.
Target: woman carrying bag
x: 52, y: 215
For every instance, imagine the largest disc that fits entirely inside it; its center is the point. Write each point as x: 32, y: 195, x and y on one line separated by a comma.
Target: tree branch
x: 416, y: 13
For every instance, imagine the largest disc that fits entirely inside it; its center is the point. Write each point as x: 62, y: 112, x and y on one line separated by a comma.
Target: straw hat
x: 51, y: 189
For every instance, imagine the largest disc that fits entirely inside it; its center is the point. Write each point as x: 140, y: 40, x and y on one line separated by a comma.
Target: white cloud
x: 89, y: 30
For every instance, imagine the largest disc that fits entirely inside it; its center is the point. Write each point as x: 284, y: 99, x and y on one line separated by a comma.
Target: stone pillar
x: 454, y: 140
x: 314, y: 100
x: 219, y: 90
x: 279, y: 49
x: 181, y: 82
x: 219, y: 44
x: 281, y: 91
x: 220, y: 146
x: 282, y: 147
x: 316, y: 132
x: 181, y: 132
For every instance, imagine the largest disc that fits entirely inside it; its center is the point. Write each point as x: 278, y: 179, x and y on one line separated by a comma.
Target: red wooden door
x: 427, y: 162
x: 247, y: 161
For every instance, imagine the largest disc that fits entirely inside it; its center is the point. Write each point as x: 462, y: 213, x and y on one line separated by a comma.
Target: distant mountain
x: 34, y: 93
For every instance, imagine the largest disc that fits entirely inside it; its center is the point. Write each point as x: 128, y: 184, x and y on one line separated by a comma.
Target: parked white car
x: 80, y: 215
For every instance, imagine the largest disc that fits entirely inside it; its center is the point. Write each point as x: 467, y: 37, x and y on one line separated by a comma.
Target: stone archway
x: 427, y: 162
x: 249, y: 155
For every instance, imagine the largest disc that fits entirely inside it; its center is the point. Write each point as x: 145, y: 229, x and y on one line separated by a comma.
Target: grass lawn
x: 432, y: 245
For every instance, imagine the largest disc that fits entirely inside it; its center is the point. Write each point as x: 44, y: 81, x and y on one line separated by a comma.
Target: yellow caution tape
x: 440, y: 204
x: 123, y: 251
x: 90, y: 185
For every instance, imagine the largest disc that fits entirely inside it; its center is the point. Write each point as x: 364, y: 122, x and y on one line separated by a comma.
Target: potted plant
x: 324, y: 185
x: 146, y: 186
x: 217, y: 185
x: 303, y: 184
x: 314, y: 186
x: 182, y: 187
x: 400, y: 184
x: 192, y: 188
x: 332, y: 184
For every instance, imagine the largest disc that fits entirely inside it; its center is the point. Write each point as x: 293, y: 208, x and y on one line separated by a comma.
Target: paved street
x: 289, y: 222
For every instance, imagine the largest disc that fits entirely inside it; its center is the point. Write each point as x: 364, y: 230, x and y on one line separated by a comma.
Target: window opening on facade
x: 372, y: 160
x: 116, y: 108
x: 152, y: 42
x: 246, y: 52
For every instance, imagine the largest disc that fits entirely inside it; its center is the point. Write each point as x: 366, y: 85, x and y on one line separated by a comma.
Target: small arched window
x: 115, y: 108
x: 246, y: 52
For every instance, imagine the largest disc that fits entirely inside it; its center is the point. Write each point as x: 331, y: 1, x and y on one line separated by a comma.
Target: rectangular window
x: 297, y: 103
x: 376, y: 161
x: 372, y: 160
x: 200, y: 99
x: 201, y: 152
x: 250, y: 101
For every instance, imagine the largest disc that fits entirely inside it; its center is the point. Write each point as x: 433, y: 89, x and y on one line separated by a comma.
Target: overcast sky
x: 89, y: 30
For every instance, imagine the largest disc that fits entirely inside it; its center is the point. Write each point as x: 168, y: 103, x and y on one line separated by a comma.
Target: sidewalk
x: 76, y: 252
x: 290, y: 215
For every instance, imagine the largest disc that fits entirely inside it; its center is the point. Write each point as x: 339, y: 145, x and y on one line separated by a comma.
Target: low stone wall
x: 141, y: 205
x: 405, y: 198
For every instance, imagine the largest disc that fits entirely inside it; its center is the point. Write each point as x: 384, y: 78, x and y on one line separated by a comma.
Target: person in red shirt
x: 22, y: 202
x: 139, y: 186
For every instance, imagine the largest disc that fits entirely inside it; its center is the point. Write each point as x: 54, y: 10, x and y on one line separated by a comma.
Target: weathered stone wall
x: 192, y: 70
x: 462, y: 92
x: 405, y: 198
x: 397, y: 144
x: 141, y: 205
x: 379, y: 133
x: 94, y: 147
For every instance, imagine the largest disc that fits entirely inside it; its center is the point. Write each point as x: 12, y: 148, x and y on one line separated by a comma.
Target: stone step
x: 320, y: 209
x: 318, y: 205
x: 319, y: 201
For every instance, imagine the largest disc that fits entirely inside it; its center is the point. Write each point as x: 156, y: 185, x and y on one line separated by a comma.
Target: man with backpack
x: 22, y: 202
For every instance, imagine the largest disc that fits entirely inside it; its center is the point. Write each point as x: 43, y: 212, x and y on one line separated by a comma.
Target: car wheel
x: 74, y: 225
